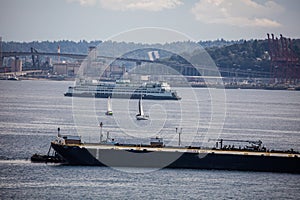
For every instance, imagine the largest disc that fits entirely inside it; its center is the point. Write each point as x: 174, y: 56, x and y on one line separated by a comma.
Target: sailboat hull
x: 142, y: 117
x: 109, y: 113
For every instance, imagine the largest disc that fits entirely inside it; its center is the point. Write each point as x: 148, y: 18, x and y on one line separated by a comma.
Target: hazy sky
x: 31, y: 20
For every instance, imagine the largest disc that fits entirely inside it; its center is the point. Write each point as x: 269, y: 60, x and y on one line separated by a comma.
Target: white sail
x: 109, y: 109
x: 109, y: 105
x: 141, y: 111
x: 141, y: 115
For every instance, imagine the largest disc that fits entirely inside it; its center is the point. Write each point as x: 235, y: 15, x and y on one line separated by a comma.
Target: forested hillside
x: 66, y: 46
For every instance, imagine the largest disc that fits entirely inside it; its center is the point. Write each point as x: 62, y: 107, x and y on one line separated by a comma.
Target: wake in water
x: 15, y: 161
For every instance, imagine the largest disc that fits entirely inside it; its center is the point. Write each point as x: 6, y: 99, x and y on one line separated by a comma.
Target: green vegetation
x: 66, y: 46
x: 236, y: 57
x: 247, y: 56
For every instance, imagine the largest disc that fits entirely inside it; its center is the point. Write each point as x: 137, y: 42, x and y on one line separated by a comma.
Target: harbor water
x: 31, y: 112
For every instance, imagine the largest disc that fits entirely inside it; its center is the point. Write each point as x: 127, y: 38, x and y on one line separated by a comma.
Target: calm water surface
x: 31, y: 111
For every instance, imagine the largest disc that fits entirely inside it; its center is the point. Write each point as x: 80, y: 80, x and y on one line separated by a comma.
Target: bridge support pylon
x: 1, y: 58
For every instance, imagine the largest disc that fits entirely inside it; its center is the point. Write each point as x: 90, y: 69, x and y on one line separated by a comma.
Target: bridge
x: 184, y: 69
x: 16, y: 54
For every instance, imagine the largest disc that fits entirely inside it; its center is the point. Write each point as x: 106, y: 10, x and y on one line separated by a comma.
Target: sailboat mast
x: 108, y: 105
x: 140, y: 112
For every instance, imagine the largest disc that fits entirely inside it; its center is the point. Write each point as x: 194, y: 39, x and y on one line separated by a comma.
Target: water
x: 31, y: 111
x: 23, y: 180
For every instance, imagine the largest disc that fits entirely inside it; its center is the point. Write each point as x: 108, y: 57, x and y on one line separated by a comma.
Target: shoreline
x: 217, y: 86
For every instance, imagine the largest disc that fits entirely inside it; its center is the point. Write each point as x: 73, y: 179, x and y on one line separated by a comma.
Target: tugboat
x: 46, y: 158
x: 50, y: 157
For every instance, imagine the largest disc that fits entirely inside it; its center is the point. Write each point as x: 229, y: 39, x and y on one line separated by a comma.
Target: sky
x: 53, y: 20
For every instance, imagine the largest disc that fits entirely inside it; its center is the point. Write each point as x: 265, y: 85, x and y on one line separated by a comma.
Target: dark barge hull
x: 79, y: 155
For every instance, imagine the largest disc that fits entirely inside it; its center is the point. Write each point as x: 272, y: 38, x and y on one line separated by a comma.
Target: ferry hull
x: 79, y: 155
x: 122, y: 96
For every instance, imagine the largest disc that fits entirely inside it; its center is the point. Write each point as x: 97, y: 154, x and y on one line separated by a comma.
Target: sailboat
x: 141, y: 115
x: 109, y: 110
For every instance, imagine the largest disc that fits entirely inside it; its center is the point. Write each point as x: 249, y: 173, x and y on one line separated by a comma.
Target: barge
x: 157, y: 155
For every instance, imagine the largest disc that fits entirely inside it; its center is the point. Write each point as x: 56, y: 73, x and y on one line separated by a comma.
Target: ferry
x: 123, y: 89
x: 253, y: 157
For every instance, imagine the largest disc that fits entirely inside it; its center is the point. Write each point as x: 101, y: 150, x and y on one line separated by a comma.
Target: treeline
x: 66, y: 46
x: 252, y: 55
x: 82, y: 46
